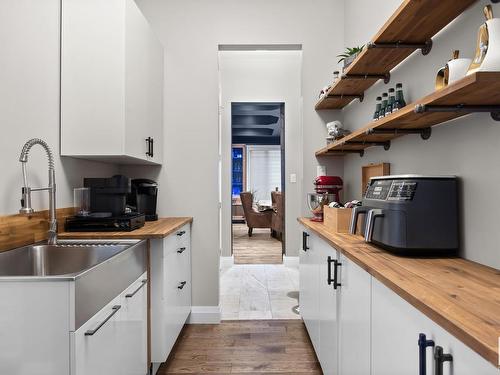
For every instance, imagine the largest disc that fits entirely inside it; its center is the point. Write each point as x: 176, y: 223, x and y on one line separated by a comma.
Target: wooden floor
x: 261, y: 248
x: 243, y: 347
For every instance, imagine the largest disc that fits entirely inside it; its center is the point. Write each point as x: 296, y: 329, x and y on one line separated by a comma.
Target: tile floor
x: 259, y: 291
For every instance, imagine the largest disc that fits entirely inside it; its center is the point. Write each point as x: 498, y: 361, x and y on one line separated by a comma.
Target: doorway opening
x: 260, y: 108
x: 257, y: 194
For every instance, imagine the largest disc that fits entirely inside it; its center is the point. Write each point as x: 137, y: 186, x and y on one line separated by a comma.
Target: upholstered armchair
x: 254, y: 218
x: 277, y: 217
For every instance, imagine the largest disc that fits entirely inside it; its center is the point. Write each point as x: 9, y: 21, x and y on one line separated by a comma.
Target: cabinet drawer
x: 93, y: 344
x: 114, y: 341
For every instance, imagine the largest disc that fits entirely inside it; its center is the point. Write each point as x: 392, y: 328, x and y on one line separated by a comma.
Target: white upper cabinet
x: 111, y: 83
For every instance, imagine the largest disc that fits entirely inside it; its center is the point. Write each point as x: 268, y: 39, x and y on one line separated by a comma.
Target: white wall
x: 191, y: 31
x: 264, y: 76
x: 29, y: 104
x: 467, y: 147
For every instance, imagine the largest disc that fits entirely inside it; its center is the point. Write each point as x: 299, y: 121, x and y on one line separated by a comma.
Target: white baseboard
x: 226, y: 262
x: 204, y: 315
x: 291, y: 261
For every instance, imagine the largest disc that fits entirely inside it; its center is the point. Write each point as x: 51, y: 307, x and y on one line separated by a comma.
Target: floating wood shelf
x: 411, y: 27
x: 478, y: 92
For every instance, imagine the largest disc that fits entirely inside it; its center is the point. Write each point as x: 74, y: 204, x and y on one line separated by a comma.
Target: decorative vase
x: 487, y: 56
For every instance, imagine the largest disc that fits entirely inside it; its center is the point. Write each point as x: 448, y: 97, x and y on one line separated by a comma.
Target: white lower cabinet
x: 114, y: 341
x: 396, y: 326
x: 358, y: 326
x: 309, y: 297
x: 335, y: 306
x: 328, y: 306
x: 170, y: 291
x: 355, y: 319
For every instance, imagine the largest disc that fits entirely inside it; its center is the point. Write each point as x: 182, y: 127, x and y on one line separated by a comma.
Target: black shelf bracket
x: 345, y: 96
x: 425, y: 133
x: 386, y: 77
x: 340, y: 152
x: 494, y: 110
x: 386, y: 144
x: 424, y: 47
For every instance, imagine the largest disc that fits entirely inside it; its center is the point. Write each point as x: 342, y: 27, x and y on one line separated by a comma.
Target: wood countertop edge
x: 140, y: 233
x: 486, y: 350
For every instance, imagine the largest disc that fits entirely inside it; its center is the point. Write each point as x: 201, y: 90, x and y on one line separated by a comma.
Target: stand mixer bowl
x: 316, y: 201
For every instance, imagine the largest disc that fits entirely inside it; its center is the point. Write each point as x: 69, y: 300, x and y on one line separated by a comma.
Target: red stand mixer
x: 327, y: 191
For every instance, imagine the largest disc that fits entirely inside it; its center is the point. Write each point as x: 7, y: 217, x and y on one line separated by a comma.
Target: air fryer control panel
x: 391, y: 190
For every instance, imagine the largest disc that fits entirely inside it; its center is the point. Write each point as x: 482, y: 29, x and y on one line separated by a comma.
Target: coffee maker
x: 108, y: 207
x: 143, y: 198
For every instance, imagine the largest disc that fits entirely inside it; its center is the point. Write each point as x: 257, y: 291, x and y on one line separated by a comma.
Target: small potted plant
x: 349, y: 55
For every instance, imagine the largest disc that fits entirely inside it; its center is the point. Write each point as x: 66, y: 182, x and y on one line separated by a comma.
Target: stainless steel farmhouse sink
x: 64, y: 259
x: 98, y: 269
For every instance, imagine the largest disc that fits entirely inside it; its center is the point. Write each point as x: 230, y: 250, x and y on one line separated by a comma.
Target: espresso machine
x: 327, y: 190
x: 108, y: 207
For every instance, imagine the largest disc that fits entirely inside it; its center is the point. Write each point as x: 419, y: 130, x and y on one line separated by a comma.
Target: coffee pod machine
x: 143, y: 197
x: 411, y: 214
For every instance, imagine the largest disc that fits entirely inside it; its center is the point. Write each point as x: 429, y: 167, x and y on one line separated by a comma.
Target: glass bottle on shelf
x: 383, y: 106
x: 400, y: 99
x: 377, y: 108
x: 390, y: 103
x: 335, y: 76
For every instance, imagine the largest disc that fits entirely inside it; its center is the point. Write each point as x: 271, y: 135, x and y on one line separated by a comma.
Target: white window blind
x: 264, y: 170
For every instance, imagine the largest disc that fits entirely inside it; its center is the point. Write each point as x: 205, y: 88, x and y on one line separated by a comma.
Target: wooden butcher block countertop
x: 461, y: 296
x: 160, y: 228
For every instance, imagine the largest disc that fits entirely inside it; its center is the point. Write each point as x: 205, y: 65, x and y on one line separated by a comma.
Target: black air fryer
x: 143, y: 198
x: 411, y: 214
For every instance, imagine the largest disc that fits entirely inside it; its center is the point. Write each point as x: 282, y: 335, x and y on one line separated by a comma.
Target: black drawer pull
x: 181, y: 233
x: 423, y: 344
x: 304, y: 241
x: 182, y: 284
x: 181, y: 250
x: 439, y: 359
x: 130, y: 295
x: 91, y: 332
x: 329, y: 265
x: 336, y: 265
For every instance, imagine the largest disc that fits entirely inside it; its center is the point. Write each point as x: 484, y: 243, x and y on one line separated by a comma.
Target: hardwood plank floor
x: 243, y: 347
x: 261, y: 248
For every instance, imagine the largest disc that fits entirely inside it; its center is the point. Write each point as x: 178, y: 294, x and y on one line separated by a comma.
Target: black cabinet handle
x: 181, y: 233
x: 336, y: 265
x: 182, y: 284
x: 181, y: 250
x: 329, y: 265
x: 439, y: 359
x: 92, y: 332
x: 304, y: 241
x: 130, y: 295
x: 150, y: 143
x: 423, y: 344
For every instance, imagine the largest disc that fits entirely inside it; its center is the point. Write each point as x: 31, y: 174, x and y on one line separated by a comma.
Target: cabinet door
x: 96, y: 348
x: 328, y: 307
x: 133, y: 347
x: 92, y: 77
x: 309, y: 294
x: 354, y: 318
x: 143, y: 87
x: 395, y: 330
